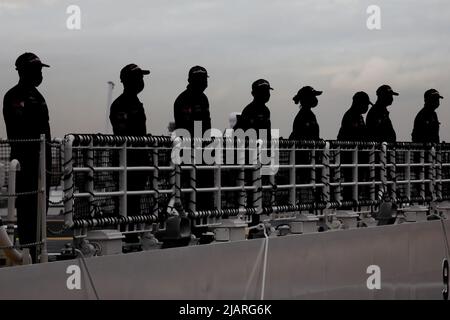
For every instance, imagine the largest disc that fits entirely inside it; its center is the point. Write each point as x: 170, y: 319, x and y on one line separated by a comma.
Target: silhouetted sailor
x: 305, y: 125
x: 127, y: 113
x: 26, y: 117
x: 192, y: 104
x: 128, y: 118
x: 353, y: 127
x: 426, y: 123
x: 379, y: 125
x: 256, y: 115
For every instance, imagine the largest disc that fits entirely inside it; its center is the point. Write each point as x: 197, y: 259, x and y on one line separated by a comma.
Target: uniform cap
x: 29, y: 59
x: 261, y: 83
x: 197, y: 70
x: 385, y: 89
x: 432, y: 92
x: 362, y: 97
x: 131, y: 69
x: 306, y: 91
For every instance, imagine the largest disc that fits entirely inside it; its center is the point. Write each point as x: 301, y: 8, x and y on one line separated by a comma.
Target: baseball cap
x: 28, y: 59
x: 306, y: 90
x: 362, y: 96
x: 197, y: 70
x: 385, y: 89
x: 130, y: 69
x: 432, y: 92
x: 261, y: 83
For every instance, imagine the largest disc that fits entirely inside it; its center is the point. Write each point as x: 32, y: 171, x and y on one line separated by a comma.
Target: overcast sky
x: 323, y: 43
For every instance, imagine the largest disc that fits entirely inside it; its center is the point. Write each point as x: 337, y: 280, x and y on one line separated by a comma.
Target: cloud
x: 21, y: 4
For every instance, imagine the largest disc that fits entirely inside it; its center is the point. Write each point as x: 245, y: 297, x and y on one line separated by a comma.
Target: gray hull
x: 329, y: 265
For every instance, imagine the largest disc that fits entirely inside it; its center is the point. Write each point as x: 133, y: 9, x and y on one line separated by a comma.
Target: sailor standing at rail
x: 128, y: 118
x: 379, y: 124
x: 191, y: 109
x: 192, y: 104
x: 426, y: 123
x: 353, y: 127
x: 305, y: 125
x: 26, y: 117
x: 256, y: 116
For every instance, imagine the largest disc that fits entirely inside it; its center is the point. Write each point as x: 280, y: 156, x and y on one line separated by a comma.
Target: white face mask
x: 233, y: 119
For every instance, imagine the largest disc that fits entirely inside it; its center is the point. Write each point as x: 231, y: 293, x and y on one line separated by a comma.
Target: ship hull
x: 327, y: 265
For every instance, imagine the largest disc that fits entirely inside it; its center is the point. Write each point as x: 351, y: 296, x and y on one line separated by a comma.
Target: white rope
x: 259, y: 257
x: 88, y: 273
x: 252, y: 274
x: 444, y: 233
x: 266, y: 243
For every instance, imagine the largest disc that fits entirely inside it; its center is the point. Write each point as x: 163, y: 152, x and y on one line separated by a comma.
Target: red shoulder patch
x: 17, y: 103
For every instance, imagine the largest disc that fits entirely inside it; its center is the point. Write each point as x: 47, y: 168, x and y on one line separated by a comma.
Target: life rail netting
x: 55, y: 172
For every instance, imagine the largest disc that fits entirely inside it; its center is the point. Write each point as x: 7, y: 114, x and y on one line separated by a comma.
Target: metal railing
x: 133, y: 184
x: 312, y: 176
x: 12, y: 167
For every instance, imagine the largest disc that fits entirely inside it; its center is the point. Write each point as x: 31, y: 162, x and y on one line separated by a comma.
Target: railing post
x: 313, y: 168
x: 292, y: 176
x: 372, y: 173
x: 337, y: 174
x: 326, y: 172
x: 13, y: 168
x: 393, y: 173
x: 90, y: 180
x: 408, y: 174
x: 193, y: 184
x: 240, y: 160
x: 433, y: 173
x: 257, y: 183
x: 123, y: 180
x: 383, y: 170
x: 42, y: 200
x: 355, y: 176
x: 422, y: 174
x: 175, y: 179
x: 439, y: 174
x: 155, y: 180
x: 217, y: 176
x: 68, y: 181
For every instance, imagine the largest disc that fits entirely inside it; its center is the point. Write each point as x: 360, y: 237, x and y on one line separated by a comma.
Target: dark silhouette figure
x: 128, y: 118
x: 26, y: 117
x: 353, y: 127
x: 256, y: 115
x: 192, y: 104
x: 305, y: 125
x: 127, y: 113
x: 426, y: 123
x: 379, y: 124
